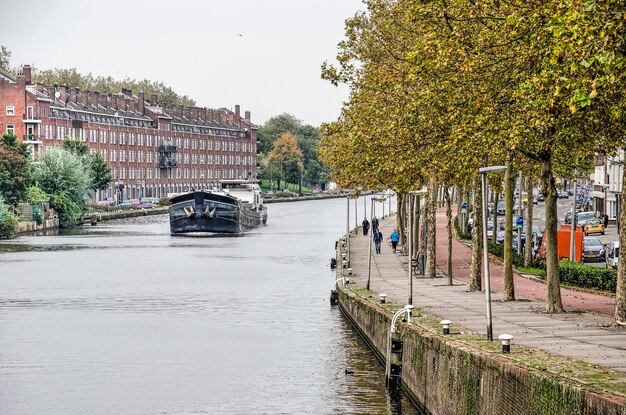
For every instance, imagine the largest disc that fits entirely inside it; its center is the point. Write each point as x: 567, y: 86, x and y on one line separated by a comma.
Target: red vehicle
x: 563, y: 243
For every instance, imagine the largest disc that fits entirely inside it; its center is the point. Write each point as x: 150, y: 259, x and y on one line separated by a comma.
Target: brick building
x: 152, y: 149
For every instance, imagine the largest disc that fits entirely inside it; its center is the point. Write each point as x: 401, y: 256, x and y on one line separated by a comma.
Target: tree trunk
x: 415, y: 211
x: 459, y: 201
x: 620, y: 294
x: 496, y: 228
x: 477, y: 241
x: 528, y: 250
x: 416, y: 225
x: 431, y: 259
x: 509, y: 178
x: 449, y: 227
x: 554, y: 303
x: 400, y: 217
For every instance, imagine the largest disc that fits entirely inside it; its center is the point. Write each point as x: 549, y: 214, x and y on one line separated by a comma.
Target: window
x: 10, y: 129
x: 10, y: 110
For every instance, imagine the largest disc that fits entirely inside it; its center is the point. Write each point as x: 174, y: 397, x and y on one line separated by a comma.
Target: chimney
x: 84, y: 98
x: 95, y: 96
x: 63, y: 91
x: 153, y: 100
x: 51, y: 92
x: 210, y: 115
x: 237, y: 113
x: 202, y: 114
x: 247, y: 117
x: 140, y: 102
x: 74, y: 95
x: 103, y: 100
x: 27, y: 74
x: 131, y: 103
x: 115, y: 102
x: 187, y: 112
x: 126, y: 103
x: 194, y: 113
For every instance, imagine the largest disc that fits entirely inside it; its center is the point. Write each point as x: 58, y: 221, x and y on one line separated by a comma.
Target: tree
x: 100, y: 172
x: 8, y: 221
x: 286, y: 153
x: 5, y: 58
x: 15, y: 174
x: 274, y: 128
x: 75, y: 146
x: 64, y: 176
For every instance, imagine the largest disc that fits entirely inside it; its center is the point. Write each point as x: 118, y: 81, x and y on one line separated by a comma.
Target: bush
x: 582, y: 275
x: 8, y: 221
x: 164, y: 201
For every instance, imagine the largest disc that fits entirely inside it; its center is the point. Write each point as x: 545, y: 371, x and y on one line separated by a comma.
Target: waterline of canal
x: 123, y: 318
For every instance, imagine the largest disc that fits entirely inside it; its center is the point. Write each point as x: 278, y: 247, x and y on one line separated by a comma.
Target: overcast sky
x: 195, y: 47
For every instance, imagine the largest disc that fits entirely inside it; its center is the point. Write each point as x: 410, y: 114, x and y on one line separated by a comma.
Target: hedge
x: 582, y: 275
x: 459, y: 231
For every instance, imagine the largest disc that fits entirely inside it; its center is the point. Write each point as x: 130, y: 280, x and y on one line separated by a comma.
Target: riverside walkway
x: 583, y: 333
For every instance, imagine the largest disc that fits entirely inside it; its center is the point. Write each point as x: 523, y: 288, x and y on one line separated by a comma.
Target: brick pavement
x: 585, y: 333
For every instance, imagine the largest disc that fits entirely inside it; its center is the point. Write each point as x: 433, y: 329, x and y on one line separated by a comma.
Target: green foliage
x: 5, y: 58
x: 36, y: 196
x: 582, y: 275
x: 100, y: 172
x: 75, y: 146
x: 91, y: 82
x: 15, y: 174
x: 63, y: 176
x: 8, y: 221
x: 164, y: 201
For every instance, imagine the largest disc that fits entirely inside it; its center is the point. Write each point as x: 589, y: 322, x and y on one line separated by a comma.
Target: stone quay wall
x: 444, y: 376
x: 32, y: 226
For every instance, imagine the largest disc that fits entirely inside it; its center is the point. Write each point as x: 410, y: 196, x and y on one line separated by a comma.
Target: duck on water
x: 234, y: 208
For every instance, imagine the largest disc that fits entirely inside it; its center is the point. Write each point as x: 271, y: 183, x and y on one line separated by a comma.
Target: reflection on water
x: 122, y: 318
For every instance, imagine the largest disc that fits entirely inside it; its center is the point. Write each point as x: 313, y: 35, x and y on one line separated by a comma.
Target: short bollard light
x: 344, y: 263
x: 383, y: 298
x: 408, y: 308
x: 446, y: 326
x: 343, y: 256
x: 347, y: 280
x: 349, y: 271
x: 506, y: 342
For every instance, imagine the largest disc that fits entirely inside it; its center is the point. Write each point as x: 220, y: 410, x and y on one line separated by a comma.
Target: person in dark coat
x: 378, y: 239
x: 605, y: 220
x: 374, y: 223
x: 366, y: 226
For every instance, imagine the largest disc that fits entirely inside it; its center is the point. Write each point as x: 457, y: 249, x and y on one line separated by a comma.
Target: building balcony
x: 167, y: 148
x: 167, y: 163
x: 31, y: 138
x: 31, y: 119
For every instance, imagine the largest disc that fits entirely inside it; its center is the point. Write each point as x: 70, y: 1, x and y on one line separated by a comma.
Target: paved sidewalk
x: 581, y: 335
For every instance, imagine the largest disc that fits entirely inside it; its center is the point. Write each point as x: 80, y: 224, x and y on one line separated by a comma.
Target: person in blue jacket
x: 395, y: 238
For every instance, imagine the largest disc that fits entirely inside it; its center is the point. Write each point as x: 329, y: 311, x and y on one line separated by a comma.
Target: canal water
x: 123, y: 318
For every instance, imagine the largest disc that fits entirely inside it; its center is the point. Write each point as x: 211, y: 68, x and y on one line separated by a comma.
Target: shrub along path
x: 585, y: 336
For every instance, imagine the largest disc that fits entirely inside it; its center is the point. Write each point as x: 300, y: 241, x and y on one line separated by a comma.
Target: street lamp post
x: 572, y: 242
x: 369, y: 256
x: 404, y: 310
x: 348, y: 227
x: 484, y: 171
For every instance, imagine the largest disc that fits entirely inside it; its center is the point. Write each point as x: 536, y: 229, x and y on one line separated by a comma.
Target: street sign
x: 464, y: 206
x: 463, y: 211
x: 519, y: 222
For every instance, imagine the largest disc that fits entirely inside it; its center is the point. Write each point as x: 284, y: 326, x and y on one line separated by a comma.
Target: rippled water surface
x: 122, y: 318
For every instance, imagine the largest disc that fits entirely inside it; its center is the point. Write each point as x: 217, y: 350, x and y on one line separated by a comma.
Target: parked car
x: 541, y: 197
x: 583, y: 217
x: 613, y: 254
x: 470, y: 221
x: 501, y: 209
x: 593, y: 250
x: 562, y: 194
x: 151, y: 200
x: 593, y: 225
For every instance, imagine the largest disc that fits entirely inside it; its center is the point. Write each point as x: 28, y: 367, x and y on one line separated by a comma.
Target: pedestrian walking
x: 366, y: 226
x: 395, y: 237
x: 378, y: 238
x: 605, y: 220
x: 374, y: 223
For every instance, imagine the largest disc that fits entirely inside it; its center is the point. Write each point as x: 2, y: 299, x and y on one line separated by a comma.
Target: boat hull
x: 204, y: 212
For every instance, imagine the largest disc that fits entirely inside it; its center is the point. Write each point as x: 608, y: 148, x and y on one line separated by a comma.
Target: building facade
x: 152, y: 149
